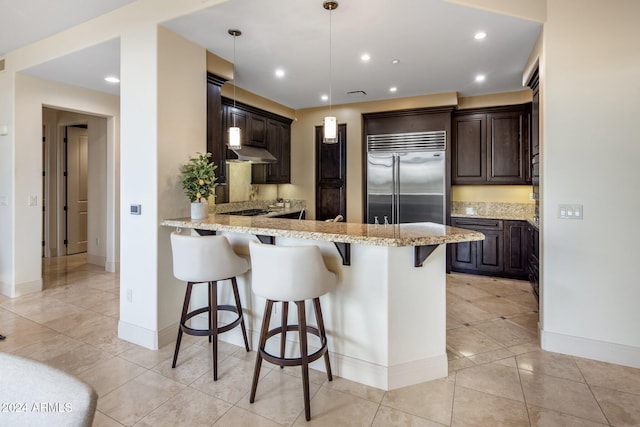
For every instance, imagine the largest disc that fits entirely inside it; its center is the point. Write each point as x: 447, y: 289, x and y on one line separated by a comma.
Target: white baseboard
x: 591, y: 349
x: 20, y: 288
x: 153, y: 340
x: 418, y: 371
x: 138, y: 335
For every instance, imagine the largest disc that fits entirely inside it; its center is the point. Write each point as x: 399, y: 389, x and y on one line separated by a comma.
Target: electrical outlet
x: 97, y: 241
x: 129, y: 295
x: 3, y: 200
x: 32, y: 201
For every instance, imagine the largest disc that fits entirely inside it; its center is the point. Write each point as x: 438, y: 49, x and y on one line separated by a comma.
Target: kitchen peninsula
x: 386, y: 319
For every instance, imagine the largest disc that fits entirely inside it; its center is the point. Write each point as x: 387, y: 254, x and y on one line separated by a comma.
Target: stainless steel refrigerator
x: 406, y: 177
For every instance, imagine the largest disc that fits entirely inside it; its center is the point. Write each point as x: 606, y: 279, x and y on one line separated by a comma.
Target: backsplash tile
x: 498, y: 210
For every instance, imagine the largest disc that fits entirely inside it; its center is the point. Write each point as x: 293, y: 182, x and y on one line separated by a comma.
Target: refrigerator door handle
x: 396, y: 189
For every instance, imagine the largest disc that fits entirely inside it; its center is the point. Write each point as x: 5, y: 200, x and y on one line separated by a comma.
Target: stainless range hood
x: 253, y: 155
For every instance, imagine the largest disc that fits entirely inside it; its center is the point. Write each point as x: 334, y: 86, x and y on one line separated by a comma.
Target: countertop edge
x: 461, y: 235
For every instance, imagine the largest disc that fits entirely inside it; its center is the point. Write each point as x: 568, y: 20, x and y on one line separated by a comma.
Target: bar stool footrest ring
x: 207, y: 332
x: 294, y: 361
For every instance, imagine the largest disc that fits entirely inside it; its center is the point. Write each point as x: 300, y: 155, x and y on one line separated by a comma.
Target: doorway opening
x: 75, y: 208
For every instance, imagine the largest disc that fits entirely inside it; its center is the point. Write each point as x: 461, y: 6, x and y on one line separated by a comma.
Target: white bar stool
x: 207, y: 259
x: 290, y: 273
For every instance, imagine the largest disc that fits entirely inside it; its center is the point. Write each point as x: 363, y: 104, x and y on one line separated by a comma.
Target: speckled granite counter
x: 495, y: 210
x: 417, y: 234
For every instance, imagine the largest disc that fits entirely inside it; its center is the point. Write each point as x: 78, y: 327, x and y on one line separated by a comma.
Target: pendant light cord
x: 234, y: 80
x: 330, y: 62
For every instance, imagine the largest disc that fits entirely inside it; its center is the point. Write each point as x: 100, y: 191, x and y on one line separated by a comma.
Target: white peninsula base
x: 385, y: 321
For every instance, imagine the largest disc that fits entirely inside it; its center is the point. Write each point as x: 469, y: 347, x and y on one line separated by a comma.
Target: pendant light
x: 330, y: 124
x: 234, y: 131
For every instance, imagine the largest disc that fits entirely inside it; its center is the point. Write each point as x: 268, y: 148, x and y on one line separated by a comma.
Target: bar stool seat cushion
x: 289, y: 273
x: 201, y: 259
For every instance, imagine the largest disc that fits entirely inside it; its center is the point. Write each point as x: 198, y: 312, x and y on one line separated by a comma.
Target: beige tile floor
x: 498, y: 375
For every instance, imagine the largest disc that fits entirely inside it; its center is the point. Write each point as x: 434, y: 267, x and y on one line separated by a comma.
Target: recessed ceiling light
x: 480, y: 35
x: 365, y: 57
x: 395, y: 61
x: 280, y: 73
x: 325, y: 97
x: 480, y: 77
x: 393, y: 89
x: 112, y: 79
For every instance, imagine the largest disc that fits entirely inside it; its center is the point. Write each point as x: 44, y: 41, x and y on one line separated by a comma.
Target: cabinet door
x: 278, y: 140
x: 279, y: 144
x: 463, y: 256
x: 506, y: 154
x: 257, y: 130
x: 469, y: 149
x: 215, y: 120
x: 490, y: 251
x: 516, y: 254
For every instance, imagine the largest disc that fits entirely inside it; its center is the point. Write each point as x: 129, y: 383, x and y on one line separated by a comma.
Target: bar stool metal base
x: 305, y: 358
x: 214, y: 329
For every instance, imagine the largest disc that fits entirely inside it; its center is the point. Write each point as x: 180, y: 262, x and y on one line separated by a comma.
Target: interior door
x: 331, y: 175
x: 76, y: 204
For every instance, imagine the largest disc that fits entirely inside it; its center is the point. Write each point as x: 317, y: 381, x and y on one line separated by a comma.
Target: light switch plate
x: 570, y: 211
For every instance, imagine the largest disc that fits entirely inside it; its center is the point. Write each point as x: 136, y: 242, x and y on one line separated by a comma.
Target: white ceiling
x: 433, y: 39
x: 23, y: 22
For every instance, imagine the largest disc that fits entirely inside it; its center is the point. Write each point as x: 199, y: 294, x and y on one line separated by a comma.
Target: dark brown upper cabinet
x: 260, y: 128
x: 491, y: 146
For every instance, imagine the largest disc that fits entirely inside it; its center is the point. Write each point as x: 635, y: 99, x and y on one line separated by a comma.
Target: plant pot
x: 199, y: 210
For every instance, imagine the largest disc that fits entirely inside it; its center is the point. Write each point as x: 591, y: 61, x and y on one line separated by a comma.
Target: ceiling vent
x: 2, y: 64
x: 357, y: 94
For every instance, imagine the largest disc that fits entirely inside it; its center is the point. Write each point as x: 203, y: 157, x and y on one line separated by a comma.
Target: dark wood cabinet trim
x: 254, y: 110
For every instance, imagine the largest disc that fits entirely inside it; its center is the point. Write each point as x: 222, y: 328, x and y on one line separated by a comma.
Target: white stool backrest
x: 289, y: 273
x: 205, y: 258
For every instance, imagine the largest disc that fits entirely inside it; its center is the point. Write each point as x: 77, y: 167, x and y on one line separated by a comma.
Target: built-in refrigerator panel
x: 380, y: 187
x: 421, y: 187
x: 406, y: 177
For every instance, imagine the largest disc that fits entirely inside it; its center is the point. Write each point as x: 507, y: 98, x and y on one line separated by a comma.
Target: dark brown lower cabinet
x: 516, y: 257
x: 503, y: 252
x: 533, y: 260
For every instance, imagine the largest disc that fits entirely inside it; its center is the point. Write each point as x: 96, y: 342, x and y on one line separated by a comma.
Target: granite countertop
x: 507, y: 211
x: 415, y: 234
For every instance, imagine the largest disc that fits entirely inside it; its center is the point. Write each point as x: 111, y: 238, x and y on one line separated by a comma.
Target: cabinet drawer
x: 478, y: 223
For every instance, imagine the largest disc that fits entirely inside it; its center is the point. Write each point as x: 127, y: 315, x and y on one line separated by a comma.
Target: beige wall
x: 491, y: 193
x: 590, y: 288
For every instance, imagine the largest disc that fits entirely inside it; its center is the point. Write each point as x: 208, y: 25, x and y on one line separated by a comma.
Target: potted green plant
x: 198, y: 181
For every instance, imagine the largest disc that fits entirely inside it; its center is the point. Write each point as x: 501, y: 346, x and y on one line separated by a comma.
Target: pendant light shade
x: 330, y: 123
x: 234, y: 137
x: 234, y: 131
x: 330, y: 130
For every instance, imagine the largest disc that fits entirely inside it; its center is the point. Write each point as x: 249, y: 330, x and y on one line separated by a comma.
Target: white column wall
x: 139, y: 185
x: 182, y: 131
x: 590, y: 285
x: 7, y: 173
